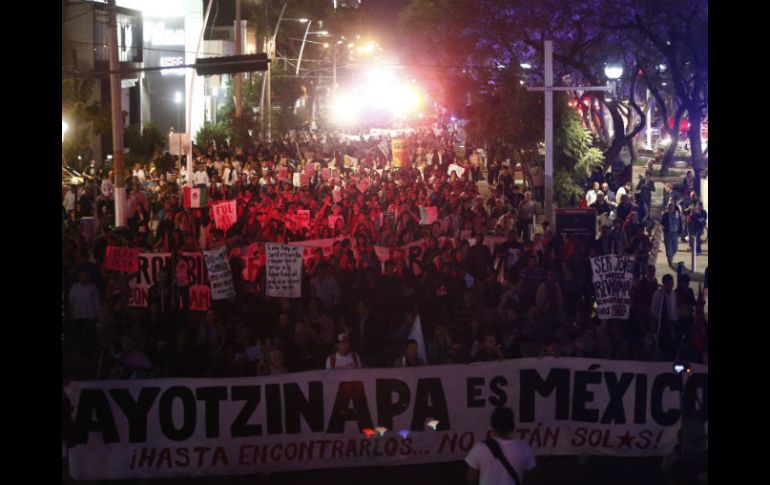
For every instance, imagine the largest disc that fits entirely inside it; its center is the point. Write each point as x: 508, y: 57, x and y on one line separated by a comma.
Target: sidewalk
x: 683, y: 252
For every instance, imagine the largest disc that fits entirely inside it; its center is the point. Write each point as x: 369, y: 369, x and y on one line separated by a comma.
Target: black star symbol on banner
x: 626, y: 439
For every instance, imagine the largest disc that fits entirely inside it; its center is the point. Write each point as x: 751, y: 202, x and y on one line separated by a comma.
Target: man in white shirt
x: 201, y: 178
x: 624, y: 190
x: 229, y: 175
x: 343, y: 358
x: 219, y: 166
x: 139, y: 173
x: 487, y: 469
x: 591, y: 195
x: 70, y: 199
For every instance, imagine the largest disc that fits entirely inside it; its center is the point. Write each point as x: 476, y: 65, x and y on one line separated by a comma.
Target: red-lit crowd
x: 528, y: 294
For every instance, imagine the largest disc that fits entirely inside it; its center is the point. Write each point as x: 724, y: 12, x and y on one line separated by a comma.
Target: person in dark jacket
x: 479, y: 259
x: 671, y: 220
x: 697, y: 223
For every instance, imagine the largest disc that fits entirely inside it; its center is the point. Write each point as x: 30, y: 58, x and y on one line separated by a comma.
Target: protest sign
x: 456, y: 168
x: 428, y: 215
x: 326, y: 174
x: 180, y: 427
x: 220, y: 274
x: 612, y: 278
x: 284, y: 270
x: 333, y: 221
x: 295, y: 179
x: 349, y: 162
x: 151, y: 264
x: 225, y: 214
x: 398, y: 147
x: 253, y: 259
x: 121, y: 259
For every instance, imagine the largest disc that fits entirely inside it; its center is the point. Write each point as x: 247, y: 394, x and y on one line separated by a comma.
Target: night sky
x: 381, y: 16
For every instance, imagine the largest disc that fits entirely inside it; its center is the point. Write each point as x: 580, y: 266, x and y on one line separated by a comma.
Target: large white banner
x: 342, y: 418
x: 284, y: 270
x: 612, y: 277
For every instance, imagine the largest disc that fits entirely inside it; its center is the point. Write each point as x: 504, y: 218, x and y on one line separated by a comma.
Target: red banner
x: 121, y: 259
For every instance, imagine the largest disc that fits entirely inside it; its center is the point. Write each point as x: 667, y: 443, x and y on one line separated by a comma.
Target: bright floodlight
x: 304, y: 21
x: 367, y: 48
x: 526, y: 65
x: 177, y: 97
x: 64, y: 128
x: 613, y: 71
x: 345, y: 110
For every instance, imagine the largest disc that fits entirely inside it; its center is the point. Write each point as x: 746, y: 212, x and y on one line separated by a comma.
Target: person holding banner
x: 183, y: 272
x: 410, y: 357
x: 343, y: 358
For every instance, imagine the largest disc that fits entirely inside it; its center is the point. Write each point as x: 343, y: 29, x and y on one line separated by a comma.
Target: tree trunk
x: 671, y: 149
x: 694, y: 116
x: 618, y: 137
x: 632, y: 151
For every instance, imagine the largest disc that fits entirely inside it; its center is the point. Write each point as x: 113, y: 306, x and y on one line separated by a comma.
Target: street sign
x: 231, y: 64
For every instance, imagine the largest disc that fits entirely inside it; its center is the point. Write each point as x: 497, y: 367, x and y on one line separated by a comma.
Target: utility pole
x: 549, y: 89
x: 117, y: 119
x: 334, y: 69
x: 238, y: 76
x: 266, y: 81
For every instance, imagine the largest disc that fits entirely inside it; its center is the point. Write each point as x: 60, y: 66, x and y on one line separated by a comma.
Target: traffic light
x: 231, y: 64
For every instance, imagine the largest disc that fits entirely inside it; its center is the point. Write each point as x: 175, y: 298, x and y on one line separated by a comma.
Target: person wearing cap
x: 501, y: 459
x: 343, y: 358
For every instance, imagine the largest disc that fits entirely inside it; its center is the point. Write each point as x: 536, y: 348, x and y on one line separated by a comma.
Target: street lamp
x: 322, y: 33
x: 613, y: 71
x: 64, y: 128
x: 525, y: 65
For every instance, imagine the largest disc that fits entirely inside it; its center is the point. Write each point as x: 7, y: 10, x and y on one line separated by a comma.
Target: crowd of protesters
x: 529, y: 295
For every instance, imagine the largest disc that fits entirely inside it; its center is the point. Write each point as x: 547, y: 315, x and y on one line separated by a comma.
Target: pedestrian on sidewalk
x: 672, y: 227
x: 697, y: 223
x: 526, y: 210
